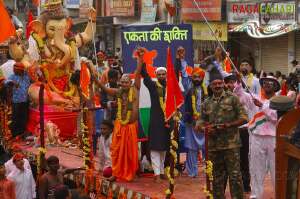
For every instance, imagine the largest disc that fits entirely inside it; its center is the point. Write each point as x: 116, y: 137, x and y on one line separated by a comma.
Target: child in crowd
x: 105, y: 140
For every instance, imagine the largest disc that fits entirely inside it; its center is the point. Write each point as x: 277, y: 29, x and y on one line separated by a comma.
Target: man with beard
x: 249, y: 78
x: 195, y: 92
x: 124, y: 147
x: 159, y: 130
x: 262, y: 129
x: 221, y: 115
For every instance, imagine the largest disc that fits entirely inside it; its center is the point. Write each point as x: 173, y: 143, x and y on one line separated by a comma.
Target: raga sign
x: 267, y: 12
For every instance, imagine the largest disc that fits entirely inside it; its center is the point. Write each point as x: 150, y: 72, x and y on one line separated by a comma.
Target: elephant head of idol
x: 50, y: 28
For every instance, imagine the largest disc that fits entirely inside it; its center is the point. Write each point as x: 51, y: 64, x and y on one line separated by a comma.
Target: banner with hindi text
x: 156, y: 39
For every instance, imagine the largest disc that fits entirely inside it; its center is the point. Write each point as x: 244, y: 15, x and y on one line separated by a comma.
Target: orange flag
x: 227, y: 66
x: 85, y: 79
x: 6, y: 26
x: 174, y: 98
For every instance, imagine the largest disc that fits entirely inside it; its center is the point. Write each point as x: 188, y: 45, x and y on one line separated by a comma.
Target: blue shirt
x: 20, y: 93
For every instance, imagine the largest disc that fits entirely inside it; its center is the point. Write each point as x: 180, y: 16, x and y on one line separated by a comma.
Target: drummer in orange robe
x: 124, y: 147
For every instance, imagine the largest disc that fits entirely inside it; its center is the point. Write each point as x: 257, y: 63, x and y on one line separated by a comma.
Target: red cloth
x: 6, y: 26
x: 28, y: 27
x: 60, y: 118
x: 61, y: 82
x: 174, y: 98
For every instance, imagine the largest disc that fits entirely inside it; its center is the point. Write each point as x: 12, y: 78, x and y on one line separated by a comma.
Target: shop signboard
x: 74, y: 4
x: 267, y: 12
x: 239, y: 12
x: 155, y: 39
x: 211, y: 9
x: 202, y: 32
x: 277, y: 12
x: 84, y: 7
x: 149, y: 10
x: 119, y: 7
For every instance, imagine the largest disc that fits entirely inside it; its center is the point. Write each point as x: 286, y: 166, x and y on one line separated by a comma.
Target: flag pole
x: 173, y: 159
x: 221, y: 45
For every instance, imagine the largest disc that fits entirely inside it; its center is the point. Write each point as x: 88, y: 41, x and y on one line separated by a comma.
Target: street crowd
x: 232, y: 107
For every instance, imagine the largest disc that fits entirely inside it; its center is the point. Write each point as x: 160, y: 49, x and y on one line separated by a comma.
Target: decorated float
x: 51, y: 58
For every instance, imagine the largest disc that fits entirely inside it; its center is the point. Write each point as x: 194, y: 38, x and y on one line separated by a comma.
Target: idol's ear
x: 38, y: 27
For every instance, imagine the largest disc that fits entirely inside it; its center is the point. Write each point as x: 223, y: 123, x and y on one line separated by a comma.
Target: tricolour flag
x: 6, y: 26
x: 174, y: 98
x: 258, y: 120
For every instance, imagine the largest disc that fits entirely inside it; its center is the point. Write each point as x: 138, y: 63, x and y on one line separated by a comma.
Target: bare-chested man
x: 124, y: 147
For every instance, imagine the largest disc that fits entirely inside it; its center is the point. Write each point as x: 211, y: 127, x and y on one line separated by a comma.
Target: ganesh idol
x: 52, y: 55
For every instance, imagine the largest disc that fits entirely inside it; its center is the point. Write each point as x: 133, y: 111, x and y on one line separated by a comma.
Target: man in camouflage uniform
x: 222, y: 114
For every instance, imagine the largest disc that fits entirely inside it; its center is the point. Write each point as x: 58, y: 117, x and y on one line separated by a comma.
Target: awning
x: 255, y: 30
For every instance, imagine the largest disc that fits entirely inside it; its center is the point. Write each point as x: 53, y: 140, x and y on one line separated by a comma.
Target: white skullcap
x: 160, y: 68
x: 83, y: 59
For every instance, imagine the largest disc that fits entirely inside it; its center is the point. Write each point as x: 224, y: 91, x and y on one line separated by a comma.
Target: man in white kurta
x: 23, y: 179
x: 11, y: 167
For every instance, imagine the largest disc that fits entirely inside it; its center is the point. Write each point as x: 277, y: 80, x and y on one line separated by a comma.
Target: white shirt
x: 262, y: 120
x: 8, y: 68
x: 10, y: 166
x: 104, y: 152
x: 25, y: 185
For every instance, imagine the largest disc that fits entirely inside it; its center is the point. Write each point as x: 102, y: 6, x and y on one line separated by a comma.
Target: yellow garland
x: 161, y: 99
x: 209, y: 172
x: 207, y: 193
x: 196, y: 114
x: 86, y: 142
x: 42, y: 151
x: 128, y: 114
x: 40, y: 42
x: 168, y: 169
